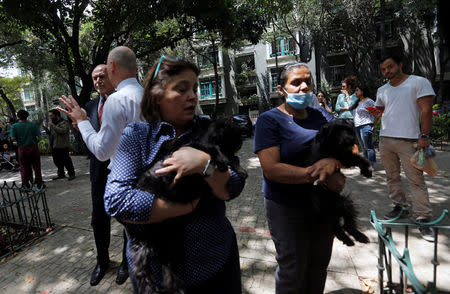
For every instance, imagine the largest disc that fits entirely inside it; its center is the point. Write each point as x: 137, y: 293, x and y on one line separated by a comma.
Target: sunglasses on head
x: 168, y: 58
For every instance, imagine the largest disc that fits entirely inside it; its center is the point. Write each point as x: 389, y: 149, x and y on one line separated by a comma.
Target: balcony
x: 247, y: 79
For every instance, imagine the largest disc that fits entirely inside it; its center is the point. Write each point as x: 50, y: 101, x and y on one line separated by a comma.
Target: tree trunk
x: 382, y: 31
x: 85, y: 94
x: 216, y: 78
x: 317, y: 58
x: 8, y: 102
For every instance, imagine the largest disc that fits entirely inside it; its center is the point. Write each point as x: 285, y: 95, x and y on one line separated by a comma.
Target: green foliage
x: 79, y: 34
x: 44, y: 146
x: 12, y: 87
x: 440, y: 128
x: 252, y: 99
x: 376, y: 133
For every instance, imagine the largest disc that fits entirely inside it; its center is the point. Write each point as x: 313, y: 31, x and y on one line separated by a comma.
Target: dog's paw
x: 362, y: 238
x: 348, y: 242
x: 367, y: 172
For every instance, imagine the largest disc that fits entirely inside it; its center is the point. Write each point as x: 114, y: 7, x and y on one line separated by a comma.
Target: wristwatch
x: 209, y: 169
x: 424, y: 136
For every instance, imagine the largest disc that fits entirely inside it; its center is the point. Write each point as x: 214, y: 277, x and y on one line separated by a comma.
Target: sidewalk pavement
x: 61, y: 262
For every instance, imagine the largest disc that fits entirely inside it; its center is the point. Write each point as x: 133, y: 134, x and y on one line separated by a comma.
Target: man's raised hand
x: 73, y: 110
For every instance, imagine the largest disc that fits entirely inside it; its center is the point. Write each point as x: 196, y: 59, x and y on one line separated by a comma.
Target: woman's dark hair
x: 366, y: 91
x: 282, y: 78
x: 350, y: 81
x: 22, y: 114
x: 154, y: 88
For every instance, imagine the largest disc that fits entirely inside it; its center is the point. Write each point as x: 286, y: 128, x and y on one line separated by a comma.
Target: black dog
x: 336, y: 139
x: 221, y: 139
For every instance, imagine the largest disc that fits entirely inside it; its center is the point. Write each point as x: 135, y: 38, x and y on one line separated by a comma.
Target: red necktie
x: 100, y: 111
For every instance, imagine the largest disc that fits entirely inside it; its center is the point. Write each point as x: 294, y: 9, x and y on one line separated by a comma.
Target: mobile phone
x: 373, y: 109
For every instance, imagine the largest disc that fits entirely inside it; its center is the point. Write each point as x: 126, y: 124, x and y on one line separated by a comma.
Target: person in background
x: 406, y: 109
x: 210, y: 259
x: 59, y: 128
x: 282, y: 136
x: 347, y: 100
x: 26, y: 134
x: 365, y: 123
x: 120, y: 109
x: 323, y: 102
x: 98, y: 173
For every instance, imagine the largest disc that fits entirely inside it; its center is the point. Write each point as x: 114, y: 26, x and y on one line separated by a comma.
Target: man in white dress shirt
x: 120, y: 109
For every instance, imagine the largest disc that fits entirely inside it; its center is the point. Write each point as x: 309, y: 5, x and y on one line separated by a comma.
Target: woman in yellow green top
x: 347, y: 100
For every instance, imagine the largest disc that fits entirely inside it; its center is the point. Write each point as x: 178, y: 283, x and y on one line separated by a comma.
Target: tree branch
x: 11, y: 44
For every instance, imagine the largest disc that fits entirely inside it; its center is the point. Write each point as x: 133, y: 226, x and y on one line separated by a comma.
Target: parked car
x: 244, y: 122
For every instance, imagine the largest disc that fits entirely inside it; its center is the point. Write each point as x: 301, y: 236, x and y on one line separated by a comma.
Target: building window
x: 28, y: 95
x: 337, y: 74
x: 389, y: 31
x: 336, y: 41
x: 283, y: 46
x: 208, y: 88
x: 205, y: 61
x: 274, y: 78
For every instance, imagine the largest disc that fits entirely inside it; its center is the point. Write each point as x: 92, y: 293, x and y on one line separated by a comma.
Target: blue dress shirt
x: 208, y: 235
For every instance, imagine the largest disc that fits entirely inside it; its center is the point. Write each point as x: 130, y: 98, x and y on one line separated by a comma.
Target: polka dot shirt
x: 207, y: 237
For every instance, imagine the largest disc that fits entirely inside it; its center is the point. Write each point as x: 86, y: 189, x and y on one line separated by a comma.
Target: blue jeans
x: 365, y: 134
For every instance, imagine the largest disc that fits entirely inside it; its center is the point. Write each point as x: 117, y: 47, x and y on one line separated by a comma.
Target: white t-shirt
x: 401, y: 116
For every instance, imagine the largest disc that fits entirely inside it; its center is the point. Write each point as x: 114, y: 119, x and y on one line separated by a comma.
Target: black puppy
x: 221, y: 139
x: 336, y: 139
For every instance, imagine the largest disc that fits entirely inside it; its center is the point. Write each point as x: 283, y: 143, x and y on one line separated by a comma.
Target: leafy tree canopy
x: 80, y: 33
x: 11, y: 88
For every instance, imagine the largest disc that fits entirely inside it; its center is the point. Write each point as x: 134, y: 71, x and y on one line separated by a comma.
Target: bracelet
x: 192, y: 206
x: 338, y: 166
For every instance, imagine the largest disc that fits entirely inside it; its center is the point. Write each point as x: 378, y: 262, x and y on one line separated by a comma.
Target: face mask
x: 299, y: 101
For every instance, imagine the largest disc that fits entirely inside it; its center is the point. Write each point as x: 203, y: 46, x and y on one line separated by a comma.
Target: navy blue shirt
x: 293, y: 136
x: 207, y: 236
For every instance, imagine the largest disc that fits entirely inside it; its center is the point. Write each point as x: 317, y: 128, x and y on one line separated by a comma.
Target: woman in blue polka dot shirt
x: 209, y: 259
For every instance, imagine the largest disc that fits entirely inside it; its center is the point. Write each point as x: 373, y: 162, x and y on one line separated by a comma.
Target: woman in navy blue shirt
x: 209, y: 259
x: 282, y: 136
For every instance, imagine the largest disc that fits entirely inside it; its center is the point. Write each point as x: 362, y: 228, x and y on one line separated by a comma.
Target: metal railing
x: 385, y: 240
x: 24, y: 217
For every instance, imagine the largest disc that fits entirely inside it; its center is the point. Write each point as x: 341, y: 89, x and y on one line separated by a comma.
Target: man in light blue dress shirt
x: 120, y: 109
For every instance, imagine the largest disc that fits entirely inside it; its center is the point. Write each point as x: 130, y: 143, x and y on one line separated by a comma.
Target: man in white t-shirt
x: 406, y: 102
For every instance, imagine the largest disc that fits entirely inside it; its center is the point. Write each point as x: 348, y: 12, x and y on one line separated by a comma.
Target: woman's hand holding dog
x: 323, y: 168
x: 187, y: 161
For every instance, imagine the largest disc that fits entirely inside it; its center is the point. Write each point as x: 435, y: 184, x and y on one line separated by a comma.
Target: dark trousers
x: 101, y: 224
x: 29, y: 156
x: 61, y: 159
x: 303, y: 247
x: 226, y: 281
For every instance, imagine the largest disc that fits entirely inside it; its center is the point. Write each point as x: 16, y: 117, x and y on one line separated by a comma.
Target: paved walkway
x: 62, y: 261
